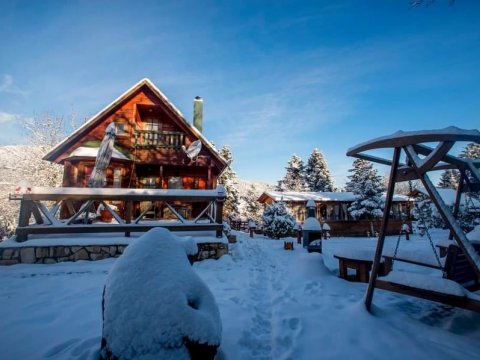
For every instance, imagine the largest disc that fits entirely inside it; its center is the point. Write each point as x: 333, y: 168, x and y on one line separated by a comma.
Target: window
x: 148, y: 182
x: 152, y: 125
x: 175, y: 182
x: 122, y: 129
x: 117, y: 178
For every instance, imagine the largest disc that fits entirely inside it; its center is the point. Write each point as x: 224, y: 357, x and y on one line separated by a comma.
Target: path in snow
x: 271, y: 334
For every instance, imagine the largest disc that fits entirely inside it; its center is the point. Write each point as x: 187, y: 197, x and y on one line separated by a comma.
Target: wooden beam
x: 383, y: 228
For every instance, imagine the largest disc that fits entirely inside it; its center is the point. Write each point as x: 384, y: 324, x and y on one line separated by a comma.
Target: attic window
x: 152, y: 125
x: 121, y: 129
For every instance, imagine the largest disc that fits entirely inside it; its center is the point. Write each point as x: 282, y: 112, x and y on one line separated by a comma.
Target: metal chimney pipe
x: 198, y: 113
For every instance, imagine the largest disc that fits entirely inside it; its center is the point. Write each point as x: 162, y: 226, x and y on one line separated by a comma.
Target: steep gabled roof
x: 58, y: 150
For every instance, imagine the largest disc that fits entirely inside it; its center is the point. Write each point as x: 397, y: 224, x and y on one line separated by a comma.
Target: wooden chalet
x: 148, y: 150
x: 331, y: 207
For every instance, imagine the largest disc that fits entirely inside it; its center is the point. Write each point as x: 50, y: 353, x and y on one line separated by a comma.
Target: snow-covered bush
x: 277, y: 222
x: 155, y: 306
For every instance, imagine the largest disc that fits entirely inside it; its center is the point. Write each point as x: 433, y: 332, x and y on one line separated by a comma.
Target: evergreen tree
x: 253, y: 208
x: 317, y: 174
x: 471, y: 151
x: 423, y: 211
x: 367, y: 185
x: 277, y: 222
x: 448, y: 179
x: 294, y: 179
x: 229, y: 180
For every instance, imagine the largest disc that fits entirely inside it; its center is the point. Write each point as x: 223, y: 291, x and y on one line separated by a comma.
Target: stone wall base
x: 56, y: 254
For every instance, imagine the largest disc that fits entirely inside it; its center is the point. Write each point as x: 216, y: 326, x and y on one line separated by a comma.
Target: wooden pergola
x: 419, y: 160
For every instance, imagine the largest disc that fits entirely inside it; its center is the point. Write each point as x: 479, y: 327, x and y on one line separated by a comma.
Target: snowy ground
x: 274, y: 304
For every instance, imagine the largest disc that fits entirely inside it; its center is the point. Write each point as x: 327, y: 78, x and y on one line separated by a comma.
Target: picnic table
x: 360, y: 260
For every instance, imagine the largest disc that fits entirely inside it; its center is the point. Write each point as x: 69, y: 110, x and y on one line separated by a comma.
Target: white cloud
x: 7, y: 117
x: 7, y: 86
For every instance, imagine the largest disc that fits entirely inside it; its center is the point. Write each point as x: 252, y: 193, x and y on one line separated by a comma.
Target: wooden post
x: 383, y: 228
x: 458, y: 198
x: 128, y: 216
x: 221, y: 195
x: 23, y: 219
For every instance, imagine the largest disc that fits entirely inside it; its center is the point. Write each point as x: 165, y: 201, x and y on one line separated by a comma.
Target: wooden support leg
x: 23, y: 220
x: 383, y: 229
x: 128, y: 216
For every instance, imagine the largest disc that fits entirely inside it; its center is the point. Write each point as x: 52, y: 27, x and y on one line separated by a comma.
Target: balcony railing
x: 47, y: 220
x: 160, y: 139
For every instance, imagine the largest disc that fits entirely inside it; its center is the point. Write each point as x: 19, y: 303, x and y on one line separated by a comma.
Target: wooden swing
x: 419, y: 161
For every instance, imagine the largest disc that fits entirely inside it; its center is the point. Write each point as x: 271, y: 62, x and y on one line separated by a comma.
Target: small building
x: 149, y: 151
x: 332, y: 208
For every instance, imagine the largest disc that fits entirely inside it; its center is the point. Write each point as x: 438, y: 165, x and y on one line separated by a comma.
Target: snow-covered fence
x: 47, y: 220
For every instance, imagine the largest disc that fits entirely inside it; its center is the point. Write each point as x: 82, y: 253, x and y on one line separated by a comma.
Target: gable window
x: 121, y: 129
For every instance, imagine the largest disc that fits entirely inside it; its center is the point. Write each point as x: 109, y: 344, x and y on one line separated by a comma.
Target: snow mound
x: 155, y: 305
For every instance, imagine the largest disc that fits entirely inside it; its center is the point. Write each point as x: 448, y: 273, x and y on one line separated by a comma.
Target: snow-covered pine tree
x: 229, y: 180
x: 317, y: 174
x: 471, y: 151
x: 277, y: 222
x: 367, y: 185
x: 448, y: 179
x: 253, y: 208
x: 294, y: 179
x: 423, y: 211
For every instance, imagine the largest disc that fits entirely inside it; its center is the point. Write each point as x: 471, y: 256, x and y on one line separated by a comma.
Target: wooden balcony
x: 160, y: 139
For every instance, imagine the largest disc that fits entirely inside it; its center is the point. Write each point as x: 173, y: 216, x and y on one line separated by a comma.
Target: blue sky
x: 277, y: 77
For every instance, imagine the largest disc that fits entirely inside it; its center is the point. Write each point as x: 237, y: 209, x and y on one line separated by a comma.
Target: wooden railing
x: 160, y: 139
x: 37, y: 218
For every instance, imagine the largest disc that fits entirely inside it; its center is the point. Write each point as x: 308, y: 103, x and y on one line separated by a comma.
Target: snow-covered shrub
x: 155, y: 306
x: 277, y: 222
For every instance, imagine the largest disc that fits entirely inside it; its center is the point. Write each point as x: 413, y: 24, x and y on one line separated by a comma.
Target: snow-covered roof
x: 56, y: 151
x: 324, y: 196
x: 401, y: 138
x: 84, y: 151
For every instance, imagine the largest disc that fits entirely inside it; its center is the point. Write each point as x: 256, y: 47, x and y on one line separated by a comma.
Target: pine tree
x: 448, y: 179
x: 229, y: 180
x: 253, y: 208
x: 471, y: 151
x: 423, y: 211
x: 367, y: 185
x: 317, y: 174
x: 294, y: 179
x: 277, y: 222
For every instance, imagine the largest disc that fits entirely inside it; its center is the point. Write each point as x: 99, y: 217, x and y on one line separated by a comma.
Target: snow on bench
x: 355, y: 254
x: 425, y: 282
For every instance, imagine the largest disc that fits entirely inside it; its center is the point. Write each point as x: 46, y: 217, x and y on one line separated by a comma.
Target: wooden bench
x: 452, y: 289
x: 361, y: 262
